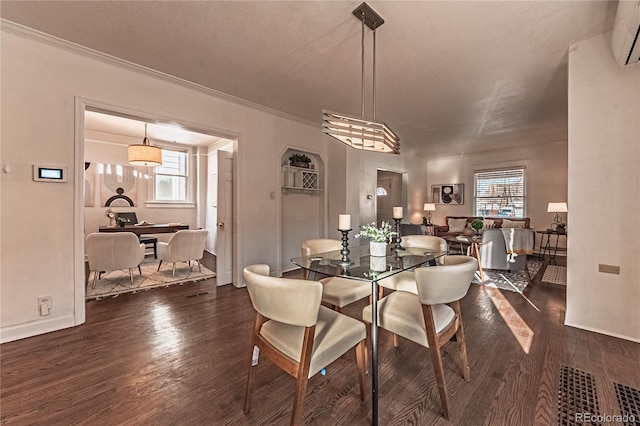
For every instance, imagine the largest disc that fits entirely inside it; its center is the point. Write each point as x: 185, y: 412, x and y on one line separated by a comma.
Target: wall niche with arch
x: 302, y: 203
x: 302, y: 172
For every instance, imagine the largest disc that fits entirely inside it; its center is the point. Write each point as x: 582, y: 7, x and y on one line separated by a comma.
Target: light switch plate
x: 609, y: 269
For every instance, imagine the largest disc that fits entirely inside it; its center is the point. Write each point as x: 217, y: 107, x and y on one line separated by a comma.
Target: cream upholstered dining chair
x: 183, y: 246
x: 112, y: 251
x: 431, y: 317
x: 297, y: 333
x: 405, y: 280
x: 337, y: 292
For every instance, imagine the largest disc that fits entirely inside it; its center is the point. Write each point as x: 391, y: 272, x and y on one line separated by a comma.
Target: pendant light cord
x: 362, y: 89
x: 145, y: 141
x: 374, y: 72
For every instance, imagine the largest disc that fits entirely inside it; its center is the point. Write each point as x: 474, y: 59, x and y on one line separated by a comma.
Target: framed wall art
x: 448, y: 193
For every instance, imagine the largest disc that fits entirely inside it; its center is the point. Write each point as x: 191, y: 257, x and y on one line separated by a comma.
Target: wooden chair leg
x: 302, y: 375
x: 251, y: 378
x: 251, y: 375
x: 462, y: 343
x: 367, y: 343
x: 131, y: 275
x: 139, y: 270
x: 199, y: 267
x: 438, y: 369
x: 95, y: 279
x: 174, y: 269
x: 396, y: 341
x: 436, y: 358
x: 361, y: 361
x: 159, y: 264
x: 298, y: 400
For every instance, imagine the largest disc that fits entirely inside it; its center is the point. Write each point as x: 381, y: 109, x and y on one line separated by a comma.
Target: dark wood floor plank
x: 179, y: 355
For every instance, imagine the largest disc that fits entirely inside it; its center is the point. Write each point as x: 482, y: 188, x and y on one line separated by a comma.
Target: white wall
x: 604, y: 191
x: 40, y: 83
x: 546, y: 169
x: 362, y: 178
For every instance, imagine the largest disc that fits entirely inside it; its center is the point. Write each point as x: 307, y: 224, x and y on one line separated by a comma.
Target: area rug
x: 555, y: 275
x: 115, y: 283
x: 509, y: 280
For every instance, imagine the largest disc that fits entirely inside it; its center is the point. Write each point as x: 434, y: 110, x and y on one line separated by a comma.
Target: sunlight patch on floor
x: 520, y: 330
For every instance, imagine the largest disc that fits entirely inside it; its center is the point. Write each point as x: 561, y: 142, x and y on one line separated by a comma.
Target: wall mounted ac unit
x: 625, y: 40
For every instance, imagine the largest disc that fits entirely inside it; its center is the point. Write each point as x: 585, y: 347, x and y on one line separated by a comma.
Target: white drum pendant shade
x: 145, y: 155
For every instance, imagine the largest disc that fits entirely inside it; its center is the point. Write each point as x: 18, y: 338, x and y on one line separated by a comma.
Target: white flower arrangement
x: 375, y: 234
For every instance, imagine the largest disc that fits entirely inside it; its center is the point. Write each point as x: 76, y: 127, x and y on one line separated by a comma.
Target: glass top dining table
x: 359, y: 265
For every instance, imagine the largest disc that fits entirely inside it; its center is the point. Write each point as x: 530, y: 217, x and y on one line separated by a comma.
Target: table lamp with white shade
x: 557, y: 208
x: 429, y: 207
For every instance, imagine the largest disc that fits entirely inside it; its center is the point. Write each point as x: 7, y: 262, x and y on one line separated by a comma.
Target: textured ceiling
x: 452, y: 77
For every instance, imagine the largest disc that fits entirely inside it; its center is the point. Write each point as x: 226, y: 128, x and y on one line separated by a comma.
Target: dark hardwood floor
x: 179, y: 355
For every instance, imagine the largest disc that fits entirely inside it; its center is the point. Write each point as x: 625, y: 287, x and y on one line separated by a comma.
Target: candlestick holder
x: 398, y: 236
x: 345, y: 262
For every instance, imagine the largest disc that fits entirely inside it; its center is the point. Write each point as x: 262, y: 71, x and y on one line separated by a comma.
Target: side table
x: 473, y: 244
x: 430, y: 229
x: 546, y: 247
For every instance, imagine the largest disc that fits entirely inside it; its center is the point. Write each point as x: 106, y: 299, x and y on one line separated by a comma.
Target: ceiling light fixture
x: 145, y: 154
x: 358, y: 132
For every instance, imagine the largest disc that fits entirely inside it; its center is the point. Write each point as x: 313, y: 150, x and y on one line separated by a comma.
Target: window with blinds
x: 170, y: 179
x: 500, y: 192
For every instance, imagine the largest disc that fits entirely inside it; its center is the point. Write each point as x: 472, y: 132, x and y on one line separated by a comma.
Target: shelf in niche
x: 300, y: 179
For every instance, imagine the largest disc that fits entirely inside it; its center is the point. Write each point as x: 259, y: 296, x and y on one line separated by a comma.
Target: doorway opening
x: 184, y: 197
x: 389, y: 194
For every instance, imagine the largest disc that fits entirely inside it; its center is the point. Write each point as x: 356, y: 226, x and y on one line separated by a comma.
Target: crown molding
x: 47, y: 39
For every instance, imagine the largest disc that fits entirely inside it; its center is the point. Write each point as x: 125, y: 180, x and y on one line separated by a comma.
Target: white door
x: 221, y: 215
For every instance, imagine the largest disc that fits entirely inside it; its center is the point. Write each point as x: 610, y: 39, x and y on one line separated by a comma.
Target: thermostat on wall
x: 49, y: 173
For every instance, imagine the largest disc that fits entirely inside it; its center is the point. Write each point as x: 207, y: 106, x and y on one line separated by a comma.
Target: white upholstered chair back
x: 428, y: 242
x: 184, y: 245
x: 289, y: 301
x: 111, y: 251
x: 320, y: 245
x: 445, y: 283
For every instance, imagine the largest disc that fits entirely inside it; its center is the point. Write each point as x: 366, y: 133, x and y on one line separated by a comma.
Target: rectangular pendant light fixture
x: 359, y: 132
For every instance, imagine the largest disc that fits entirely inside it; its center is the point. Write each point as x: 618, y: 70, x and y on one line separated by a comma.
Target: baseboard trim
x: 34, y: 328
x: 606, y: 333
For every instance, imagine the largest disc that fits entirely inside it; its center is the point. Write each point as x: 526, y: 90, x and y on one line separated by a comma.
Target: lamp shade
x: 145, y: 155
x: 557, y: 208
x: 429, y: 207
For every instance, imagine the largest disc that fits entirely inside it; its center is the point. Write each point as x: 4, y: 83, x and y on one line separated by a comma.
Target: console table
x: 163, y: 228
x: 546, y: 247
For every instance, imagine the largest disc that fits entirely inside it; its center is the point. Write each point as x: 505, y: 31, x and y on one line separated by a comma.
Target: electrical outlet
x: 609, y: 269
x: 45, y: 304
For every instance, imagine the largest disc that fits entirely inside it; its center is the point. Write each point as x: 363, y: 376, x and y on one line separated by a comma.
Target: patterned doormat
x: 509, y: 280
x: 555, y: 275
x: 114, y: 283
